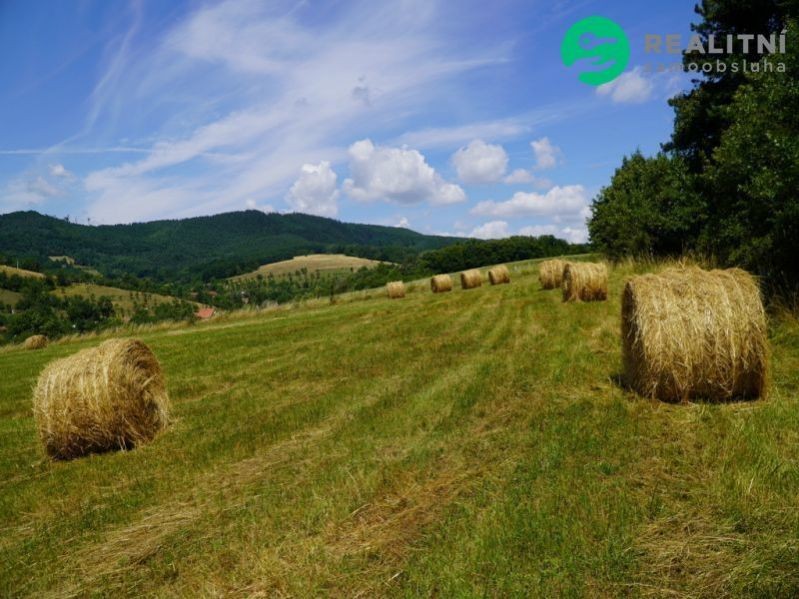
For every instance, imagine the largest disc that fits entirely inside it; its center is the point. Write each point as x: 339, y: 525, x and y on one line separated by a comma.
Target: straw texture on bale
x: 108, y: 397
x: 471, y: 279
x: 694, y: 334
x: 35, y: 342
x: 585, y: 282
x: 395, y: 289
x: 550, y: 273
x: 441, y: 283
x: 499, y: 275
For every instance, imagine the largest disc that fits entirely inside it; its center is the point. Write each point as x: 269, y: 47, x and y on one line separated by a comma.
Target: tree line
x: 725, y: 185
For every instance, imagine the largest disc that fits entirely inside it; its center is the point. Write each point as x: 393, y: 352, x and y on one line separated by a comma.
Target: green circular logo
x: 609, y: 49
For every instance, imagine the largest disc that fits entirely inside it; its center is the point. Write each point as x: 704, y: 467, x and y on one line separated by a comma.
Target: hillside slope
x: 313, y: 263
x: 218, y: 246
x: 466, y: 444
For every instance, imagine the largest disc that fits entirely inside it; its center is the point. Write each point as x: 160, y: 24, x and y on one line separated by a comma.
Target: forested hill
x: 203, y: 247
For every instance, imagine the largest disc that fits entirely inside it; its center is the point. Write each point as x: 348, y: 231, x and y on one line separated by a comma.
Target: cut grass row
x: 464, y: 444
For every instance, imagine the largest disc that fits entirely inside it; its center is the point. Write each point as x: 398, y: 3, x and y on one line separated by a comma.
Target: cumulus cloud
x: 58, y: 170
x: 399, y: 175
x: 480, y: 162
x: 495, y: 229
x: 253, y: 205
x: 519, y: 175
x: 631, y: 87
x: 498, y: 229
x: 315, y: 192
x: 566, y: 202
x: 403, y: 223
x: 546, y: 155
x: 570, y: 234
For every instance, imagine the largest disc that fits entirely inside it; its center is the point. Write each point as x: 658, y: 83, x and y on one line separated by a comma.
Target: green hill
x: 467, y: 444
x: 204, y: 247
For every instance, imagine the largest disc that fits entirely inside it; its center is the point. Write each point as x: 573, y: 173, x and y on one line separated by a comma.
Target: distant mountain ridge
x: 203, y: 247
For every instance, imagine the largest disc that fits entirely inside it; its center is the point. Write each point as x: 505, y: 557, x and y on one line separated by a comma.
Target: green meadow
x: 466, y: 444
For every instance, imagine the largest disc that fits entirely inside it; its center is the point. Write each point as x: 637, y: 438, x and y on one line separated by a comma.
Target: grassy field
x: 473, y: 443
x: 121, y: 298
x: 324, y: 263
x: 9, y: 297
x: 11, y: 270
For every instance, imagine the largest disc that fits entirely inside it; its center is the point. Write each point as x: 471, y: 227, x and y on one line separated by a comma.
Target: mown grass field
x: 322, y: 263
x: 9, y: 297
x: 12, y: 270
x: 122, y: 299
x: 474, y: 443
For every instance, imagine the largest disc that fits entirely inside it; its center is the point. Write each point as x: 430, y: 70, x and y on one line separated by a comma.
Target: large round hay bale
x: 108, y: 397
x: 550, y: 273
x: 471, y: 279
x: 585, y: 282
x: 395, y: 289
x: 499, y: 275
x: 35, y: 342
x: 694, y: 334
x: 441, y: 283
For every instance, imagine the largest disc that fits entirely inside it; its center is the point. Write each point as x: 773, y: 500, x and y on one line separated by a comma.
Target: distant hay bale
x: 35, y: 342
x: 585, y: 282
x: 499, y: 275
x: 441, y: 283
x: 550, y: 273
x: 471, y: 279
x: 694, y: 334
x: 108, y: 397
x: 395, y: 289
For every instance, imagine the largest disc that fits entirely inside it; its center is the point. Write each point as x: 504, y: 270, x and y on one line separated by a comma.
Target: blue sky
x: 452, y: 117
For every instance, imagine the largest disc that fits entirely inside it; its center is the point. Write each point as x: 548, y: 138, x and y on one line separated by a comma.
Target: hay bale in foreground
x: 695, y: 334
x: 471, y: 279
x: 108, y: 397
x: 441, y: 283
x: 395, y: 289
x: 585, y: 282
x: 499, y: 275
x: 35, y: 342
x: 550, y: 273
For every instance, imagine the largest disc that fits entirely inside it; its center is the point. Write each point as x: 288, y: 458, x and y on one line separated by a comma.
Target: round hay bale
x: 107, y: 397
x: 694, y: 334
x: 35, y: 342
x: 550, y: 273
x: 395, y: 289
x: 499, y: 275
x: 441, y: 283
x: 585, y: 282
x: 471, y: 279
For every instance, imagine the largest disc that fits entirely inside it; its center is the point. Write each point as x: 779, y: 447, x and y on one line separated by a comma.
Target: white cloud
x: 480, y: 162
x: 398, y: 175
x: 570, y: 234
x: 403, y: 223
x: 631, y: 87
x: 546, y: 155
x: 58, y: 170
x: 495, y: 229
x: 519, y: 175
x: 569, y: 201
x: 315, y: 192
x: 253, y: 205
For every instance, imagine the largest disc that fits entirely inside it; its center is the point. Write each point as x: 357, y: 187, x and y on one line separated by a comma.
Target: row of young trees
x: 726, y: 183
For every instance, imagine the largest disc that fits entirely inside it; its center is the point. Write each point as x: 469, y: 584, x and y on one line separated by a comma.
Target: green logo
x: 600, y: 39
